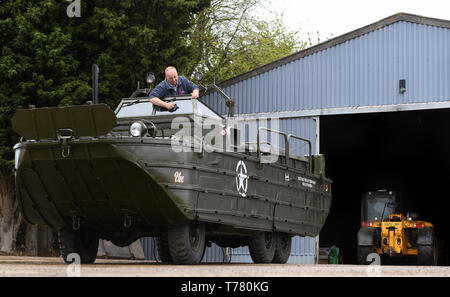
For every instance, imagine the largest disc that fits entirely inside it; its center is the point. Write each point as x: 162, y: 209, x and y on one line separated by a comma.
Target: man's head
x: 172, y: 75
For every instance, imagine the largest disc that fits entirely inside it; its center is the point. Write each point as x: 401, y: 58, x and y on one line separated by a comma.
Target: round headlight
x: 138, y: 129
x: 198, y: 76
x: 150, y: 78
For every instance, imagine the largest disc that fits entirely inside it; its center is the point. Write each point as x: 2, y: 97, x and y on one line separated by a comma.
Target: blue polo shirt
x: 164, y: 89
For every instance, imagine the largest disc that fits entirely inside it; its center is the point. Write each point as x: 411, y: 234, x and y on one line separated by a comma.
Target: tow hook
x: 127, y: 221
x: 75, y: 223
x: 64, y: 135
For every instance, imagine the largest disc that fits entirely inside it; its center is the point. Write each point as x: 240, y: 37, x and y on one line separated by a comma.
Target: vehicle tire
x: 187, y: 243
x: 262, y: 247
x: 427, y: 255
x: 362, y: 253
x: 83, y: 243
x: 283, y: 242
x: 162, y: 245
x: 426, y: 244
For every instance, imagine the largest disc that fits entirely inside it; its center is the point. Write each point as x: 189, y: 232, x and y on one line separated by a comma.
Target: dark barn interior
x: 407, y: 151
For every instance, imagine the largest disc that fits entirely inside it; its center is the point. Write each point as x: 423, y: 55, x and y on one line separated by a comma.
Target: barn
x: 376, y: 103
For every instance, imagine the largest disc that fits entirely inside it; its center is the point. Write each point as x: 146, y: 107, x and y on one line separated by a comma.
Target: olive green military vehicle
x: 141, y: 171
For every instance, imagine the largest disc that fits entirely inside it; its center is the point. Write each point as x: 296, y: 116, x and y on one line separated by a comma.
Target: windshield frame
x: 383, y: 210
x: 154, y: 112
x: 130, y: 101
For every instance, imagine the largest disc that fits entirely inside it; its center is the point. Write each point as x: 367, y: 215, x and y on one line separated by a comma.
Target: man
x: 173, y: 85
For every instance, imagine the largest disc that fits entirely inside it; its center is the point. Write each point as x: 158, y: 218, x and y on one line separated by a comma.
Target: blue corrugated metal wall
x: 303, y: 127
x: 364, y: 71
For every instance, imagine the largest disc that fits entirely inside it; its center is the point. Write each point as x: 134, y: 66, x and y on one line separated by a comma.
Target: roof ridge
x: 398, y: 17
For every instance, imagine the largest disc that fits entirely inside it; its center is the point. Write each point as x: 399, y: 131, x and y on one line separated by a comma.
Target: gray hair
x: 169, y: 68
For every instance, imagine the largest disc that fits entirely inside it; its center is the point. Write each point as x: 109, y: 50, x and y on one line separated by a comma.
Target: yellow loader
x: 387, y: 232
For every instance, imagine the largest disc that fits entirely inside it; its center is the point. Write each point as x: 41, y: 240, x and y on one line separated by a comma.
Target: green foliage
x: 46, y: 57
x: 262, y: 43
x: 230, y: 39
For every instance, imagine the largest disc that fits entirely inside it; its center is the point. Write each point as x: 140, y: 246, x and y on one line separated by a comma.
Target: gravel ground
x: 13, y: 266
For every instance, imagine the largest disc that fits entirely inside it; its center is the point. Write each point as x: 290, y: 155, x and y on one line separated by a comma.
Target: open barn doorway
x: 406, y: 151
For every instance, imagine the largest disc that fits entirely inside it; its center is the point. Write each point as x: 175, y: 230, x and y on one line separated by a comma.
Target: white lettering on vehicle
x: 178, y: 177
x: 306, y: 182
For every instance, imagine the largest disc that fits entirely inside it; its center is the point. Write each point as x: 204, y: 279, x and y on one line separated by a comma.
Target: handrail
x: 287, y: 139
x: 309, y: 146
x: 258, y: 150
x: 228, y: 101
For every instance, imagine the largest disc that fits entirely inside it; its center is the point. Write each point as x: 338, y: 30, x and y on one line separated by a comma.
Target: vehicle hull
x: 113, y: 184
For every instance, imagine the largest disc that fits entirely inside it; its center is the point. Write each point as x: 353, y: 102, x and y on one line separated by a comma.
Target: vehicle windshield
x: 206, y: 111
x: 135, y: 108
x: 375, y: 208
x: 144, y: 108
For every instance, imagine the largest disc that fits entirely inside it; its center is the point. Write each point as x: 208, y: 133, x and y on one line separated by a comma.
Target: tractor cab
x: 379, y: 205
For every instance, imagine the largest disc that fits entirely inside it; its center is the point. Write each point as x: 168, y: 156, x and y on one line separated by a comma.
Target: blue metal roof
x: 361, y: 68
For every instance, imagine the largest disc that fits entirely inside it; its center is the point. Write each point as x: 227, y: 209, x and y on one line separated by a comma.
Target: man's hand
x: 159, y: 102
x: 195, y: 94
x: 169, y: 105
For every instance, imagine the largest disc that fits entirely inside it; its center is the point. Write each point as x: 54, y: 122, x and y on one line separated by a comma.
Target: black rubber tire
x: 162, y: 245
x: 262, y: 247
x: 427, y: 255
x: 83, y: 243
x: 362, y: 253
x: 283, y: 243
x: 187, y: 243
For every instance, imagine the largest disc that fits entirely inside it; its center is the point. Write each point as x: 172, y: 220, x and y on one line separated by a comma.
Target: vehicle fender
x: 367, y: 236
x: 425, y: 236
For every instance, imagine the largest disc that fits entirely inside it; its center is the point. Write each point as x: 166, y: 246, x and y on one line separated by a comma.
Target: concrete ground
x: 16, y: 266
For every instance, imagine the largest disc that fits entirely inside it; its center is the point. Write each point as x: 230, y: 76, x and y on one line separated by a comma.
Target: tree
x: 46, y: 60
x: 263, y: 42
x: 230, y: 39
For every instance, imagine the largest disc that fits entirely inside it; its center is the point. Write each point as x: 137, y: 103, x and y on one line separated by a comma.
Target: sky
x: 334, y: 18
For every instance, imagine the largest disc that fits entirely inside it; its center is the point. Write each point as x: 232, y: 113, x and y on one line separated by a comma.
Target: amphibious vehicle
x: 183, y: 177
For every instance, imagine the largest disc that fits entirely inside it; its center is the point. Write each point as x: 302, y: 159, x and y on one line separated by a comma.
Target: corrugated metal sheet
x: 149, y: 248
x: 215, y: 254
x: 363, y: 71
x: 302, y: 250
x: 304, y: 127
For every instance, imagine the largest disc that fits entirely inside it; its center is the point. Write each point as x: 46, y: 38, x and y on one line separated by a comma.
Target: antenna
x: 95, y: 71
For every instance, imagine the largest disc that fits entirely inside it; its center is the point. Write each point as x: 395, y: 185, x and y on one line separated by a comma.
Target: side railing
x: 292, y: 136
x: 287, y: 141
